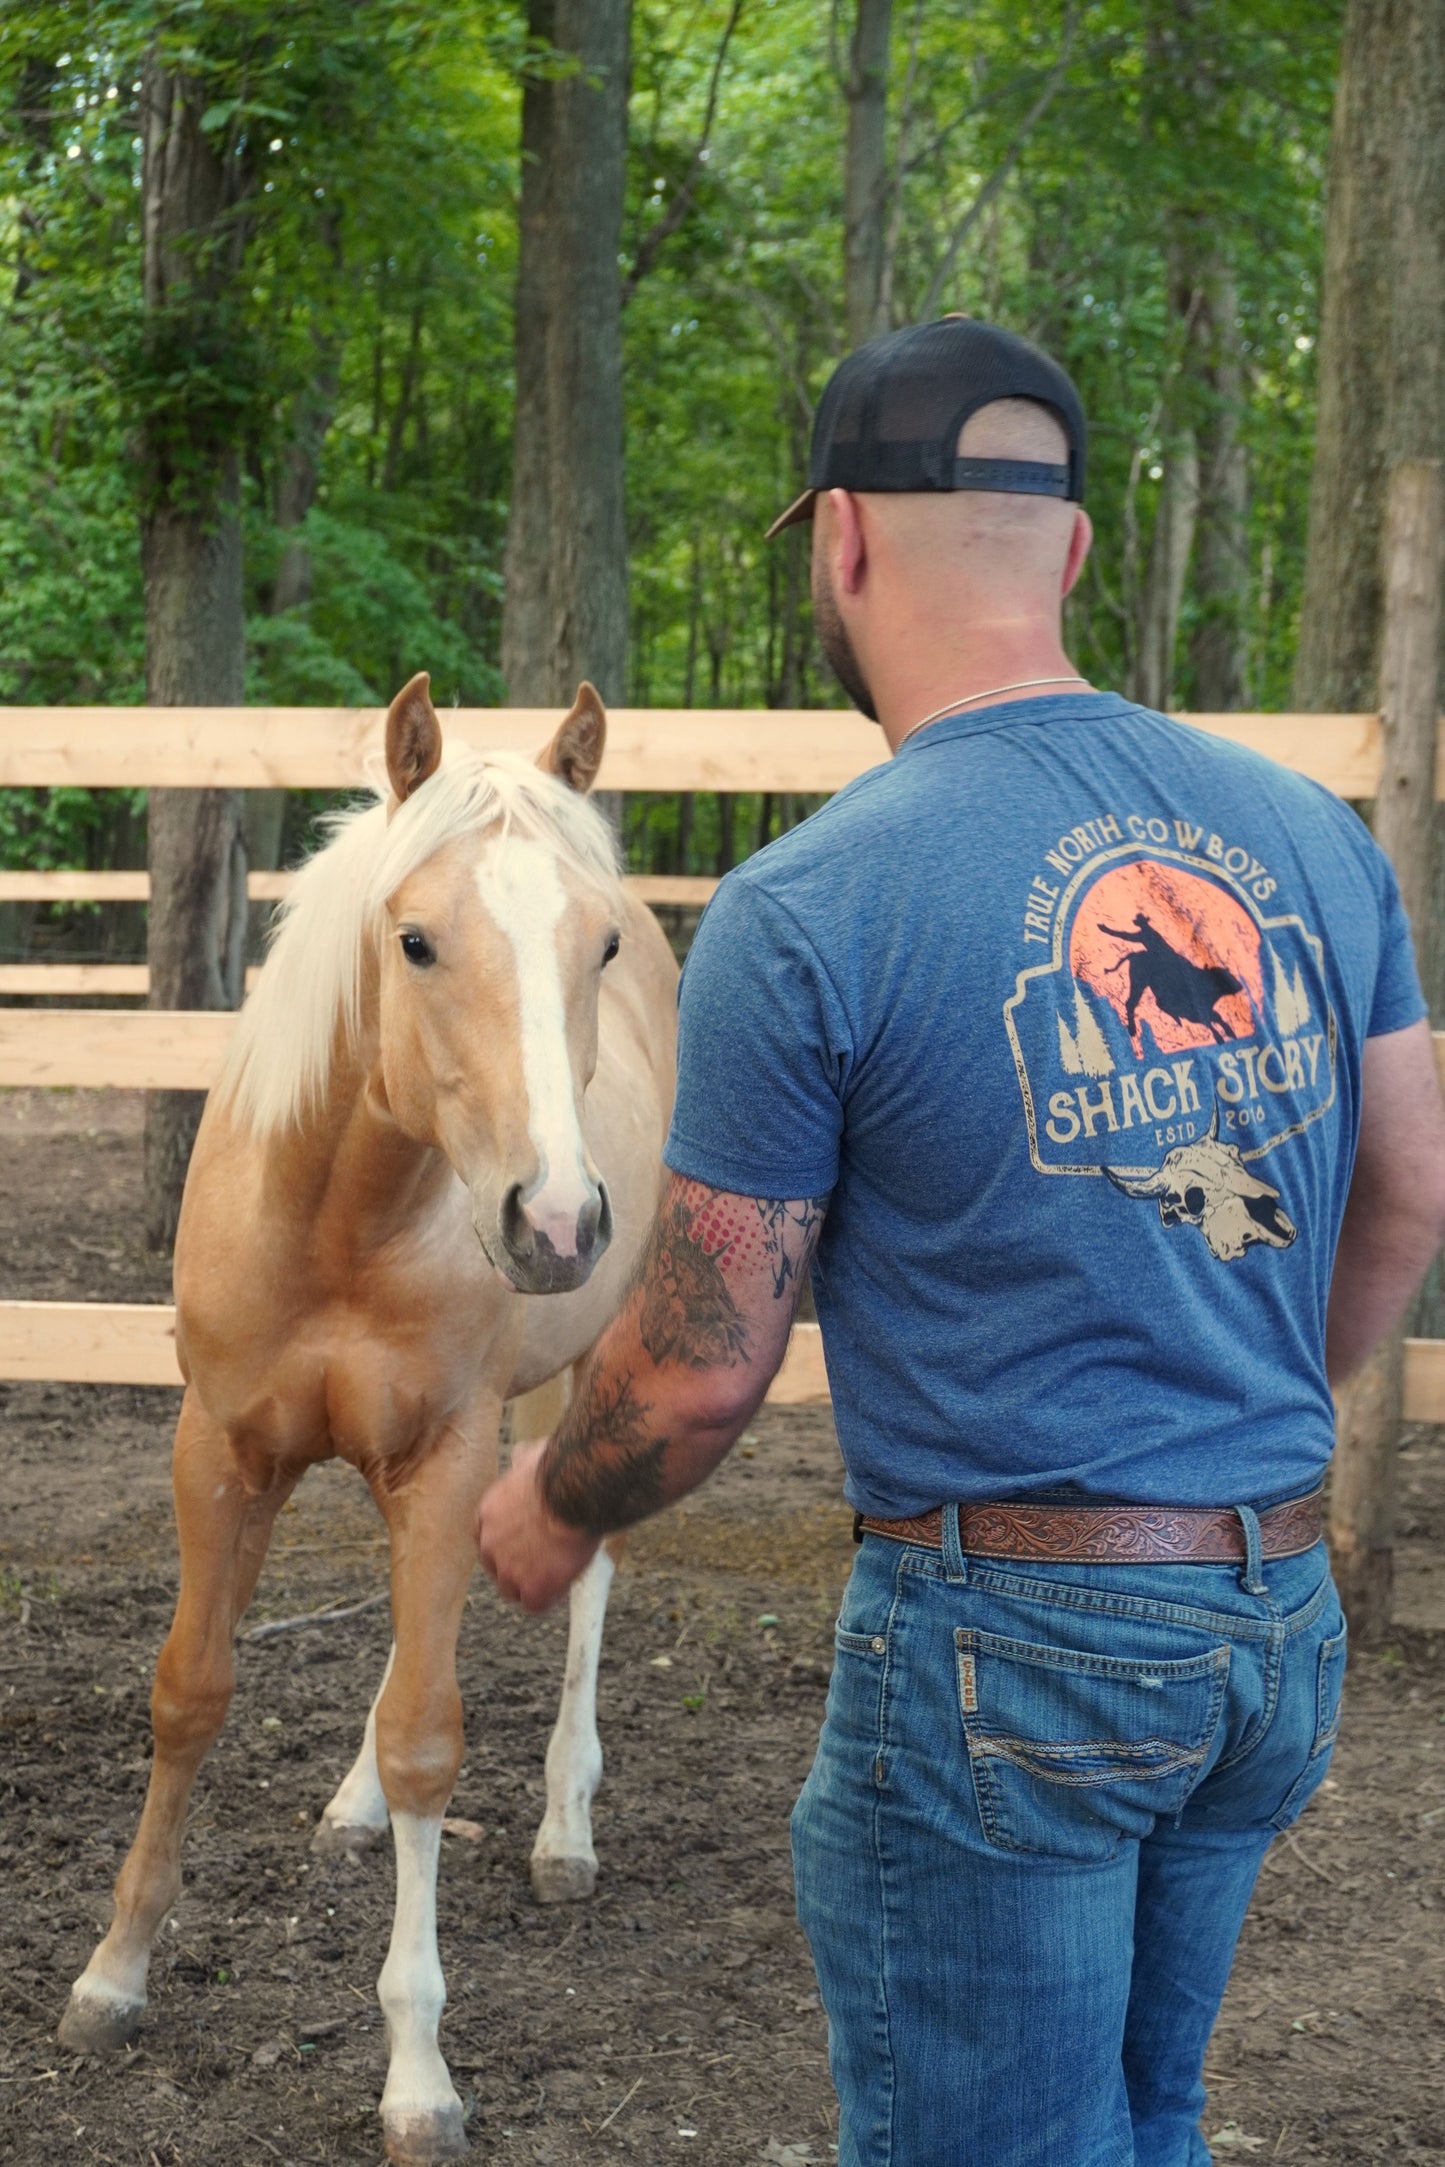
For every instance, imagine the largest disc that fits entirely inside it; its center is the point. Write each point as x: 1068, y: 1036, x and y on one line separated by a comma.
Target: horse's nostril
x: 517, y: 1230
x: 594, y: 1224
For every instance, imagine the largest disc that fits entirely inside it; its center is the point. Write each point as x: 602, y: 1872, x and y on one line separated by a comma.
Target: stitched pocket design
x: 1072, y: 1753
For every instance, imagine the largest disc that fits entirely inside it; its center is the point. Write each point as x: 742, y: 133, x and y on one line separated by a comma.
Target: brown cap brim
x: 800, y: 509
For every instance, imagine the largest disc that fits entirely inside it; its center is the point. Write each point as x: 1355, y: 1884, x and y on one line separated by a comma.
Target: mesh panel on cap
x: 890, y: 417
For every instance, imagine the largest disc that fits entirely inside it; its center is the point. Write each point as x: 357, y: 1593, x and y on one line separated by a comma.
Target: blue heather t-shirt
x: 1063, y: 1008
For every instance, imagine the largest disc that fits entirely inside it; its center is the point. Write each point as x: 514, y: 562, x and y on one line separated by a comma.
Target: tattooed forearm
x: 603, y: 1469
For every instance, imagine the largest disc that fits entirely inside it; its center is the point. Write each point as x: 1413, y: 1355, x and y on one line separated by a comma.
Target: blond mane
x: 278, y: 1065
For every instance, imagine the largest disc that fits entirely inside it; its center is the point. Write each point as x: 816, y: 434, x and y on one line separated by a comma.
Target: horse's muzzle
x: 528, y: 1256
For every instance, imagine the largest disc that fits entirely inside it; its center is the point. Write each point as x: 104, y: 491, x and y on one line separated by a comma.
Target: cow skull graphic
x: 1208, y: 1185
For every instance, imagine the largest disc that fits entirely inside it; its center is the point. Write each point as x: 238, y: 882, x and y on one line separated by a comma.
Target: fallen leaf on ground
x: 469, y: 1831
x: 1233, y: 2139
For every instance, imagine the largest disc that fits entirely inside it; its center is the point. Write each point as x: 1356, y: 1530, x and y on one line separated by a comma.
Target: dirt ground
x: 675, y: 2016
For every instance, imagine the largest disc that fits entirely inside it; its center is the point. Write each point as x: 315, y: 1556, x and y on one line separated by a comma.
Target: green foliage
x: 1051, y: 163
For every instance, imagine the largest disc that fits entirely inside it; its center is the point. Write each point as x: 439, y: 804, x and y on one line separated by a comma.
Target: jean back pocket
x: 1074, y: 1753
x: 1329, y: 1687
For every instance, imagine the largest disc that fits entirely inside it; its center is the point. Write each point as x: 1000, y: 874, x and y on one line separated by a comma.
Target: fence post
x: 1365, y: 1476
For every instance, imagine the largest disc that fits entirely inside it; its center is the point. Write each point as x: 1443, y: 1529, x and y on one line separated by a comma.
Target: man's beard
x: 838, y: 648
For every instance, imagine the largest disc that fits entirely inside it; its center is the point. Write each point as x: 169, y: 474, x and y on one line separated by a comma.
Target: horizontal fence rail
x: 686, y: 889
x: 144, y: 1049
x: 64, y: 981
x: 135, y: 1343
x: 653, y: 748
x: 58, y: 981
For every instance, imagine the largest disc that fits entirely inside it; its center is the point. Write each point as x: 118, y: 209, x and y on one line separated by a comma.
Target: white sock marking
x: 360, y: 1802
x: 574, y: 1754
x: 411, y: 1989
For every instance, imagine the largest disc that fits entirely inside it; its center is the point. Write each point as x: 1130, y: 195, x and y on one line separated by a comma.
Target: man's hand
x: 533, y: 1556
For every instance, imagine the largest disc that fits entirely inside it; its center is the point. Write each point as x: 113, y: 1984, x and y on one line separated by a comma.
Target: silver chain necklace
x: 952, y: 707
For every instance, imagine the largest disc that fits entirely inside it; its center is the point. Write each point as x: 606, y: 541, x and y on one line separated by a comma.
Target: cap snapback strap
x: 1015, y: 477
x: 910, y: 467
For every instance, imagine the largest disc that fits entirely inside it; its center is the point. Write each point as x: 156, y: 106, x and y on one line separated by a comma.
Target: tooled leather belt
x: 1110, y: 1534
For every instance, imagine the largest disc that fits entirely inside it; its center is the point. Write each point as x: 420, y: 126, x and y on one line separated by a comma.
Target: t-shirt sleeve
x: 762, y: 1057
x: 1398, y: 1000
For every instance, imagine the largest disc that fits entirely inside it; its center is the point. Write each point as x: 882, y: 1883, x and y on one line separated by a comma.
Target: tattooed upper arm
x: 710, y: 1256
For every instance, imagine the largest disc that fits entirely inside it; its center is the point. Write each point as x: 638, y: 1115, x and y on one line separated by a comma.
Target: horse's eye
x: 611, y: 949
x: 418, y: 950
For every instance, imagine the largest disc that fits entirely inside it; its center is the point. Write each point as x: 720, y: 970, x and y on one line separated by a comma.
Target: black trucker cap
x: 890, y: 415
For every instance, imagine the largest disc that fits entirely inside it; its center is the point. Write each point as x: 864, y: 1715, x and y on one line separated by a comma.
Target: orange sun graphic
x: 1170, y: 952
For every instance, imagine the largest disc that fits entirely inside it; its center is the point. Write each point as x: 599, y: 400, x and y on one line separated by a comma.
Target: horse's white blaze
x: 411, y: 1989
x: 574, y: 1754
x: 522, y: 891
x: 360, y: 1801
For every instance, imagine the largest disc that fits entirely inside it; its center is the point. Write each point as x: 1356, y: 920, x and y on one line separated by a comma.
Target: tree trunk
x: 300, y: 474
x: 586, y: 526
x: 526, y: 618
x: 1382, y: 391
x: 1219, y: 648
x: 195, y: 625
x: 1152, y: 672
x: 1340, y: 612
x: 865, y: 170
x: 565, y: 611
x: 1366, y: 1475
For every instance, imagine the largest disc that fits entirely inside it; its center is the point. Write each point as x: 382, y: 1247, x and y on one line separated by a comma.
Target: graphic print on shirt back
x: 1172, y: 1031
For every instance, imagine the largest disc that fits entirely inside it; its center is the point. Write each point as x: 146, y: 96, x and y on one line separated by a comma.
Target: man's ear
x: 1079, y: 541
x: 413, y: 737
x: 850, y: 553
x: 575, y: 753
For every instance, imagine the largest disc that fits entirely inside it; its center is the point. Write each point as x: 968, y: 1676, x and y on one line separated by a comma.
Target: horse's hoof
x: 419, y: 2140
x: 344, y: 1839
x: 563, y: 1880
x: 92, y: 2025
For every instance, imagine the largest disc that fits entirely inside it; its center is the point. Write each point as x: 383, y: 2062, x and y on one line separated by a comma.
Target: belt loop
x: 1251, y: 1578
x: 955, y: 1565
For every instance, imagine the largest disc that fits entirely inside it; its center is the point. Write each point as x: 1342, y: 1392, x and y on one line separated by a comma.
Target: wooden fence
x: 648, y: 749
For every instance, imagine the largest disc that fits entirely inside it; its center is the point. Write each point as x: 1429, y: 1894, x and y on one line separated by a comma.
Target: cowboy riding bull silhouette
x: 1183, y: 991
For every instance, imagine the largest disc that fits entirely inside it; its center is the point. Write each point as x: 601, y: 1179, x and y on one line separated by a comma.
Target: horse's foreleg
x: 356, y: 1817
x: 418, y: 1734
x: 564, y: 1864
x: 224, y: 1530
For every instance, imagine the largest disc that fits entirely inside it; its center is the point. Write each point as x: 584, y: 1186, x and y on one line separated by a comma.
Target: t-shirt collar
x: 1042, y: 708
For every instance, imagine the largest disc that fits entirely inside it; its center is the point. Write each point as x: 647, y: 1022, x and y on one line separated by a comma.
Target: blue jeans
x: 1025, y: 1850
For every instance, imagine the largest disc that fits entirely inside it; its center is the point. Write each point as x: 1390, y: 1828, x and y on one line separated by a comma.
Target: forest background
x: 1138, y: 184
x: 347, y: 338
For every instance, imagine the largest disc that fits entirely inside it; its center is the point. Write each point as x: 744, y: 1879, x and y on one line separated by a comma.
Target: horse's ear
x: 413, y: 737
x: 575, y: 753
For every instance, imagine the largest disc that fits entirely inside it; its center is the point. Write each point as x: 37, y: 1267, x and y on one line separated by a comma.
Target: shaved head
x: 944, y: 564
x: 1010, y: 537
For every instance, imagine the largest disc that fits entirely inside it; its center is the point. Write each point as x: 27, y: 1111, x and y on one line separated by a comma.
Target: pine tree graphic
x: 1290, y: 1002
x: 1084, y: 1051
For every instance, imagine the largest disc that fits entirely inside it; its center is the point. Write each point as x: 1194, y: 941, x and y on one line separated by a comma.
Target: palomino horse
x: 395, y: 1164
